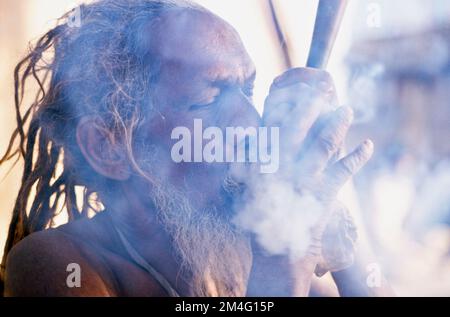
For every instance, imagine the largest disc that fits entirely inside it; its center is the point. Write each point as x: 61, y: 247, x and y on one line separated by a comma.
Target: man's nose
x: 237, y: 110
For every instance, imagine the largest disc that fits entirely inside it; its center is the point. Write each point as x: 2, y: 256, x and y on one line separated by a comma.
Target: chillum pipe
x: 328, y: 21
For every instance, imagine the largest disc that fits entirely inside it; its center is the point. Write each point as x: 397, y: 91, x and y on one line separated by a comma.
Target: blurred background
x: 391, y: 63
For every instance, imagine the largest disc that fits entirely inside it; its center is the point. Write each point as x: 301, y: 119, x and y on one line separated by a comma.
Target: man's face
x: 205, y: 73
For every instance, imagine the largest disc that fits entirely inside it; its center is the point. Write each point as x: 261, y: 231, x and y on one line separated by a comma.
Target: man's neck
x: 139, y: 224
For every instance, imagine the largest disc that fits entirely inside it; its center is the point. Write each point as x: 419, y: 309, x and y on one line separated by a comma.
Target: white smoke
x: 281, y: 219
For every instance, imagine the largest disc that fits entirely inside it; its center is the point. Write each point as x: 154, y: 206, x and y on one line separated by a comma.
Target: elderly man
x: 99, y: 138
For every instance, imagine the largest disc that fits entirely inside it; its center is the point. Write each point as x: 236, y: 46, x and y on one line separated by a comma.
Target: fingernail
x: 368, y: 145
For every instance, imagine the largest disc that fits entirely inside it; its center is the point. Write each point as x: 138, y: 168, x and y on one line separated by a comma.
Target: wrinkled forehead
x: 199, y: 39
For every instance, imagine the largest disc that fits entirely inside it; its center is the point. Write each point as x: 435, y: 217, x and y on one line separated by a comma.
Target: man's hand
x: 302, y: 104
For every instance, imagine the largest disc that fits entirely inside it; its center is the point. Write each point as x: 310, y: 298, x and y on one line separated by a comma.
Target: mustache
x: 233, y: 187
x: 232, y: 193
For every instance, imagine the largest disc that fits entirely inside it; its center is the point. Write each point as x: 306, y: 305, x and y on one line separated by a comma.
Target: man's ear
x: 101, y: 149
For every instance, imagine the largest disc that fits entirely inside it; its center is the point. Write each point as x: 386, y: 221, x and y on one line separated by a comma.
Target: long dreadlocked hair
x: 99, y: 68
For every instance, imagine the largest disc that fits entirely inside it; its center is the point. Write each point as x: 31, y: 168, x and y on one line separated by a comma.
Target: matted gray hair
x: 99, y: 67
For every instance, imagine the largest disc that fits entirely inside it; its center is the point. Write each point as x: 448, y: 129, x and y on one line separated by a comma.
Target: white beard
x: 211, y: 250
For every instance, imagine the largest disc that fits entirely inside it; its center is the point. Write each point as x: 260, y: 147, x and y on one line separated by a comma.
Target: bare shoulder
x: 46, y: 263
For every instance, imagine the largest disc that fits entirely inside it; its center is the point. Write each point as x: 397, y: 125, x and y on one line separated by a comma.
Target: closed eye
x: 200, y: 107
x: 203, y: 105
